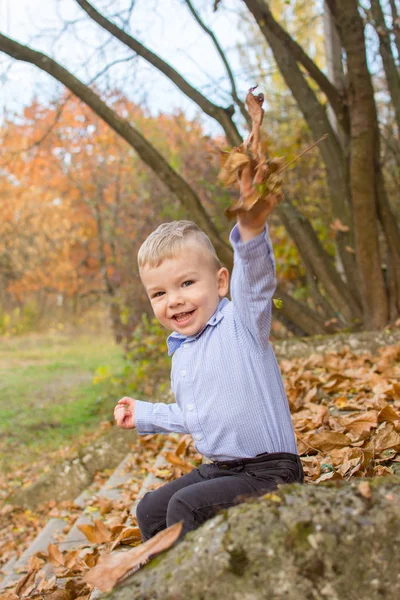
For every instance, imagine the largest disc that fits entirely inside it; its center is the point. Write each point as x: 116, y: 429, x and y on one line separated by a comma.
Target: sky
x: 164, y: 26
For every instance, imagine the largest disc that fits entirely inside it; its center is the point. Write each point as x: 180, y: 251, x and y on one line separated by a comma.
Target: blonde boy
x: 228, y: 387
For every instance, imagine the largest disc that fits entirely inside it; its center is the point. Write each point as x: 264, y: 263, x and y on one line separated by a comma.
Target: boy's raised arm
x: 253, y: 278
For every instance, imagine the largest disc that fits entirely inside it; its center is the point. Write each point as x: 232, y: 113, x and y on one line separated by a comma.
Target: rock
x: 66, y: 480
x: 335, y: 541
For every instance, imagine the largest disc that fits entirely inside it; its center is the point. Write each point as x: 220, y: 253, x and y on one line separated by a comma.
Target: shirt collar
x: 175, y: 340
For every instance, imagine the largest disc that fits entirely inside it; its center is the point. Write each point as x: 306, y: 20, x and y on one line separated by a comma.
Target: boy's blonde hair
x: 168, y: 240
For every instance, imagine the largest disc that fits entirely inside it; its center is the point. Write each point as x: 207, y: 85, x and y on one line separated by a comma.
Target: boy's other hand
x: 252, y: 223
x: 124, y: 413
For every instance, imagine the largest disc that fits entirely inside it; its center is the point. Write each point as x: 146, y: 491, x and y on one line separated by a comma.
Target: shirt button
x: 183, y: 373
x: 198, y: 437
x: 190, y: 406
x: 186, y: 346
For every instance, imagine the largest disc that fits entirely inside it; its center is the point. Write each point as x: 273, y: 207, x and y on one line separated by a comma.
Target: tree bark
x: 264, y: 17
x: 333, y: 48
x: 364, y: 162
x: 389, y: 65
x: 319, y: 262
x: 396, y: 26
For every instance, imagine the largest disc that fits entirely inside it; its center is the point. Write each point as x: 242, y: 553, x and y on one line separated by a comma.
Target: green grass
x: 47, y: 394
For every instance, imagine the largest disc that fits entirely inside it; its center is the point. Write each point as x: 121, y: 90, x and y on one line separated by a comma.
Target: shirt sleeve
x: 158, y: 418
x: 253, y: 284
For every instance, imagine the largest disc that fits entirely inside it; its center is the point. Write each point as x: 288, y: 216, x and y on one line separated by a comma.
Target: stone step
x: 75, y: 538
x: 48, y: 535
x: 52, y: 530
x: 150, y: 480
x: 110, y: 490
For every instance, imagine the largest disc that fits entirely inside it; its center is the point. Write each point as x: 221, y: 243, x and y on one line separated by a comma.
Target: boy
x: 228, y: 387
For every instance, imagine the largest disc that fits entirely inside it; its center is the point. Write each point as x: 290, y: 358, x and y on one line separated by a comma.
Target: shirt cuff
x: 258, y: 246
x: 144, y: 417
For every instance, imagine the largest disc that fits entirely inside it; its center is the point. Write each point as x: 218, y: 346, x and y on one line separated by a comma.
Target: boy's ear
x: 223, y: 282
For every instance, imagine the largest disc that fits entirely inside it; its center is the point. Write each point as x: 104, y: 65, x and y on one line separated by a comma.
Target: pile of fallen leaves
x: 346, y: 414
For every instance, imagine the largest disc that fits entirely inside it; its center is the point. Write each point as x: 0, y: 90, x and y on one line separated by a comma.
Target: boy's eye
x: 157, y: 294
x: 187, y: 283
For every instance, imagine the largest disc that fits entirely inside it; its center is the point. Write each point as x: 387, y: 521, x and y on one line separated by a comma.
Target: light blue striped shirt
x: 226, y: 380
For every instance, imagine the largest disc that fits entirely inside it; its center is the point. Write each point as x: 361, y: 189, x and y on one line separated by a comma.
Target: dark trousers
x: 199, y: 495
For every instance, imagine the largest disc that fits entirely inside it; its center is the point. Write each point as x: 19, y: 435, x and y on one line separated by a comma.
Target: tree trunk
x: 364, y: 162
x: 319, y: 263
x: 316, y: 118
x: 396, y: 26
x: 389, y: 65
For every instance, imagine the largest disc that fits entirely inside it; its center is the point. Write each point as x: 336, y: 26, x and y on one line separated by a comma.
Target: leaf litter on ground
x: 346, y: 414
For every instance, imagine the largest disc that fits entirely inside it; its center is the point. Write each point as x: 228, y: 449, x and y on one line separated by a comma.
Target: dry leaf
x: 127, y: 536
x: 185, y: 466
x: 365, y: 489
x: 55, y: 557
x: 337, y: 225
x: 327, y: 440
x: 96, y: 533
x: 112, y: 568
x: 386, y: 437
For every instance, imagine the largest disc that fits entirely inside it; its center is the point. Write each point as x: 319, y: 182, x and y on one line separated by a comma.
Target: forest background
x: 91, y: 167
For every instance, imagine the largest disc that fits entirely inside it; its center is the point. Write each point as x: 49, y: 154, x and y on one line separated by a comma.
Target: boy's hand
x: 251, y: 223
x: 124, y: 413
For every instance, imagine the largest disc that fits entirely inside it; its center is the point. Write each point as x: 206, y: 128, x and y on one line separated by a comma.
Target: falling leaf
x: 112, y: 568
x: 278, y: 303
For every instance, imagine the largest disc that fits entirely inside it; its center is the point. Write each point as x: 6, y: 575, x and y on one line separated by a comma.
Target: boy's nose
x: 174, y: 300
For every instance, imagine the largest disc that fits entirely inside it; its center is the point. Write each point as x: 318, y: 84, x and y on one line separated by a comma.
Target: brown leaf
x: 97, y: 533
x: 183, y: 445
x: 178, y: 462
x: 26, y: 583
x: 337, y: 225
x: 386, y: 437
x: 127, y: 536
x: 327, y: 440
x: 55, y: 557
x: 359, y: 427
x: 365, y: 489
x: 105, y: 505
x: 114, y: 567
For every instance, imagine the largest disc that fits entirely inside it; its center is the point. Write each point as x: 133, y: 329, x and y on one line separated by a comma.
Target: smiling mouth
x: 183, y: 317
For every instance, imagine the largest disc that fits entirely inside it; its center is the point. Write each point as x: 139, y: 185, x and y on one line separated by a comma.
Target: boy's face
x: 184, y: 291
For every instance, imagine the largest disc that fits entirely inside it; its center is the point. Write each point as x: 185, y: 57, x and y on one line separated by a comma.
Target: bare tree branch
x: 217, y: 45
x: 222, y: 115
